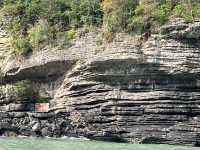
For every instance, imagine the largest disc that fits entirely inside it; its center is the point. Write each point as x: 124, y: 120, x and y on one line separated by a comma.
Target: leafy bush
x: 41, y: 21
x: 41, y: 99
x: 44, y: 22
x: 196, y: 10
x: 161, y: 14
x: 40, y: 34
x: 85, y: 12
x: 139, y: 10
x: 12, y: 8
x: 21, y: 46
x: 70, y: 33
x: 117, y: 14
x: 55, y: 12
x: 149, y: 14
x: 63, y: 39
x: 181, y: 11
x: 23, y: 88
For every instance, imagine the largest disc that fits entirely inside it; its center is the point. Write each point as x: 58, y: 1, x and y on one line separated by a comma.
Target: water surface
x: 67, y: 144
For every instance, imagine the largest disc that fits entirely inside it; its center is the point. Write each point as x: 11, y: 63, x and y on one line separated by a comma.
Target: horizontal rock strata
x: 132, y: 92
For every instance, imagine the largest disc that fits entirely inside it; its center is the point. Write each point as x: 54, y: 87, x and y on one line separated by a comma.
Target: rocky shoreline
x: 126, y: 91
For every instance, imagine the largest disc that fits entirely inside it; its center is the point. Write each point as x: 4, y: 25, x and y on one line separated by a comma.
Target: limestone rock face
x: 4, y: 48
x: 4, y: 44
x: 120, y: 91
x: 178, y: 29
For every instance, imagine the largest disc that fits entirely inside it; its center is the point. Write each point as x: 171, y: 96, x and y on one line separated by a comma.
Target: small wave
x: 2, y: 136
x: 22, y: 136
x: 75, y: 138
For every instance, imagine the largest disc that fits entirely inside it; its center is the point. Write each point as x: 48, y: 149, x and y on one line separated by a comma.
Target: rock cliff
x: 125, y: 90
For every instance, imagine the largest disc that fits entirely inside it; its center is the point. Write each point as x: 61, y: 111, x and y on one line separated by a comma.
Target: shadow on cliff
x: 132, y: 75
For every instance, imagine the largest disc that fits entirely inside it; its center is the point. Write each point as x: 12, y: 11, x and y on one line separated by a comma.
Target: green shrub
x: 84, y: 12
x: 23, y: 88
x: 196, y: 10
x: 55, y: 12
x: 182, y: 11
x: 179, y: 10
x: 41, y: 21
x: 63, y: 39
x: 139, y: 9
x: 117, y: 14
x: 41, y: 99
x: 40, y: 34
x: 137, y: 24
x: 47, y: 22
x: 70, y: 33
x: 21, y: 46
x: 150, y: 14
x: 33, y: 10
x: 12, y: 9
x: 161, y: 14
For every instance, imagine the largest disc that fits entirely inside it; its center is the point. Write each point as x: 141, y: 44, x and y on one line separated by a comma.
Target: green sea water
x: 66, y: 144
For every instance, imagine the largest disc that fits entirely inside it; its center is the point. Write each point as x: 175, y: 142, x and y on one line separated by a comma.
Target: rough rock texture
x: 121, y: 91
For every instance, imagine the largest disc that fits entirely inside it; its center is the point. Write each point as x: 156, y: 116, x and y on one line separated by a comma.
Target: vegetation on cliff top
x: 33, y: 24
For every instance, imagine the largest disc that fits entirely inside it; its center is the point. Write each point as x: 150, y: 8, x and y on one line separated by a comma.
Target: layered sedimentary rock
x: 123, y: 91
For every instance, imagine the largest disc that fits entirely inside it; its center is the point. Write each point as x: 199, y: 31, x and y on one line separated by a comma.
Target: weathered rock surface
x: 181, y: 30
x: 140, y: 93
